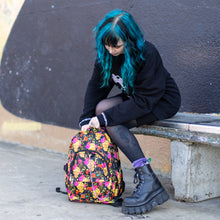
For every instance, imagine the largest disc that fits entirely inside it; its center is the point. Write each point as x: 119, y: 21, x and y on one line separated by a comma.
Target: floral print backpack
x: 93, y: 170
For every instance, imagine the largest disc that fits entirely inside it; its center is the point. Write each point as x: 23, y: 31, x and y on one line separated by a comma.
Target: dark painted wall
x: 49, y: 56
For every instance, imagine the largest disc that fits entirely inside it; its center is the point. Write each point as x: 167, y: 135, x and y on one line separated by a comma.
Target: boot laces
x: 138, y: 180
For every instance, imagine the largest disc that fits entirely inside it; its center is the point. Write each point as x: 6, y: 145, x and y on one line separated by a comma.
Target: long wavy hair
x: 117, y: 25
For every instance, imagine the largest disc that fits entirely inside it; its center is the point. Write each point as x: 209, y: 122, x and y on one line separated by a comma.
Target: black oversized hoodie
x: 155, y: 92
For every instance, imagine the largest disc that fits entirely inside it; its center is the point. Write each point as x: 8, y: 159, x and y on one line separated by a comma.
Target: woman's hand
x: 94, y: 122
x: 84, y: 127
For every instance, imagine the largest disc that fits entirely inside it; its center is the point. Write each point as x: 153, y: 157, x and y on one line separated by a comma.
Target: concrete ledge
x: 195, y: 153
x: 205, y: 123
x: 195, y: 171
x: 186, y: 127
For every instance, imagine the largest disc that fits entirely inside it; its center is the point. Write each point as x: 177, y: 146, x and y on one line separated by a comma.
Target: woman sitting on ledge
x: 148, y: 93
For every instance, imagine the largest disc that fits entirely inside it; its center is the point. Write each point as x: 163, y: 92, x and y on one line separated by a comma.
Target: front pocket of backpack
x: 90, y: 176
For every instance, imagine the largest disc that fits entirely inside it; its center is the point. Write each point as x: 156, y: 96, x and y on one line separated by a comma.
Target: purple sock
x: 140, y: 162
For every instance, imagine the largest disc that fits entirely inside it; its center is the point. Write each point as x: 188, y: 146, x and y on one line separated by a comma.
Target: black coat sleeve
x: 94, y: 94
x: 149, y: 87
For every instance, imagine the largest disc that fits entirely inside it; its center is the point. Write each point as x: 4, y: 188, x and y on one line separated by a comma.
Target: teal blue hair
x: 117, y: 25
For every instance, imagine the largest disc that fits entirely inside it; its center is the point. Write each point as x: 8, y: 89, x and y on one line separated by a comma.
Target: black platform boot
x: 147, y: 194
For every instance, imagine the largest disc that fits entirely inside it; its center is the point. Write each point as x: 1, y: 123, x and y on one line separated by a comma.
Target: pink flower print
x: 86, y: 161
x: 88, y: 146
x: 75, y: 166
x: 95, y: 187
x: 113, y: 186
x: 76, y: 183
x: 100, y: 183
x: 81, y: 178
x: 115, y: 155
x: 103, y: 165
x: 103, y: 140
x: 106, y: 184
x: 79, y: 161
x: 74, y: 141
x: 109, y: 155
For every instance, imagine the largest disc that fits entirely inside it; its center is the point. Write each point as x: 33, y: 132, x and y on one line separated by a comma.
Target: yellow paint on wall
x: 31, y: 133
x: 8, y: 127
x: 9, y: 10
x: 166, y: 167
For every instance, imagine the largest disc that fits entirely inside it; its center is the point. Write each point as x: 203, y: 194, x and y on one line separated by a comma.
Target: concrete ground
x: 29, y: 176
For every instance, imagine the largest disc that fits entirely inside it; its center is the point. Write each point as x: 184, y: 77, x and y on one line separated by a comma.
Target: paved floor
x: 29, y: 176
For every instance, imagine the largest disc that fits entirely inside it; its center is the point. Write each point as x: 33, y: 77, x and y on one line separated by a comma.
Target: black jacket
x: 155, y: 92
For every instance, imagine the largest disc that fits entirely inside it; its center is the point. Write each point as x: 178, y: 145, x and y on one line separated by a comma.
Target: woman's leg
x: 149, y: 192
x: 120, y: 134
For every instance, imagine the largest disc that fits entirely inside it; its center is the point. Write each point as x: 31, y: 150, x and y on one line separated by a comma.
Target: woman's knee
x: 100, y: 107
x: 107, y: 103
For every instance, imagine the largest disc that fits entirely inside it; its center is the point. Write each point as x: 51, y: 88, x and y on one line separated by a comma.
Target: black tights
x: 120, y: 134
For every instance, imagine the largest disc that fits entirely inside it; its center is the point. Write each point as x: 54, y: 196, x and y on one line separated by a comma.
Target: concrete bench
x: 195, y: 153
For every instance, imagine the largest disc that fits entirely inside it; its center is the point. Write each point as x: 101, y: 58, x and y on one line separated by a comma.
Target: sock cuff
x: 140, y: 162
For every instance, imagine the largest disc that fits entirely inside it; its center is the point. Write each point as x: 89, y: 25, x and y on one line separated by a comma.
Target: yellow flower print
x: 76, y: 172
x: 92, y: 146
x: 81, y: 154
x: 96, y: 193
x: 86, y: 180
x: 107, y: 137
x: 98, y: 136
x: 80, y: 187
x: 105, y: 170
x: 73, y: 197
x: 76, y: 145
x: 110, y: 184
x: 105, y: 146
x: 116, y: 192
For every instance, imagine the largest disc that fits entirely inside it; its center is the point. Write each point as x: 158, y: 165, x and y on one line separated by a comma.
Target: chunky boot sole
x: 158, y: 199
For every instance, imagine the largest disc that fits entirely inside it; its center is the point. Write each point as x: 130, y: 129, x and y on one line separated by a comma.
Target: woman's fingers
x: 94, y: 122
x: 84, y: 127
